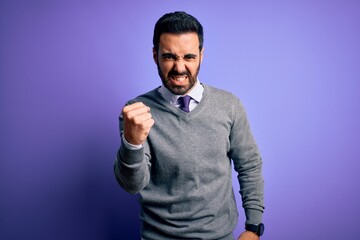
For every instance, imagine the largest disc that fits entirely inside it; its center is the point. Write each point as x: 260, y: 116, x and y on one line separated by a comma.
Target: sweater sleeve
x: 132, y: 166
x: 248, y: 164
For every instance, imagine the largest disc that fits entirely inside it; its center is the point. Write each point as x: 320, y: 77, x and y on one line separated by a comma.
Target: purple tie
x: 184, y: 103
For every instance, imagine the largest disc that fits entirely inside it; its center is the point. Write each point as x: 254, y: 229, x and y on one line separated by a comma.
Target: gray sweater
x: 183, y: 172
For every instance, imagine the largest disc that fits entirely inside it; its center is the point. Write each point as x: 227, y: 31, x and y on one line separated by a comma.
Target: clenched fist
x: 137, y: 122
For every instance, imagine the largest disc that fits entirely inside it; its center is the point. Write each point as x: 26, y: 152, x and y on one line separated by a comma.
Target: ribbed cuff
x: 131, y: 157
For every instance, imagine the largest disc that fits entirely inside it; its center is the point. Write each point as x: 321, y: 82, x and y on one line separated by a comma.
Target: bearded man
x: 178, y: 142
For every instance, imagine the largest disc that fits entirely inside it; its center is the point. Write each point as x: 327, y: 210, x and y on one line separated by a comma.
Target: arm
x: 132, y: 165
x: 248, y: 165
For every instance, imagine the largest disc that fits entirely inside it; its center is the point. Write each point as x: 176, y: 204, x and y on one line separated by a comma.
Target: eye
x: 189, y: 57
x: 168, y: 56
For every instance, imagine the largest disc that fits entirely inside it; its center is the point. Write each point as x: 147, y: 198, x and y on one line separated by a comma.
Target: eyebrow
x: 173, y: 56
x: 190, y: 55
x: 168, y: 55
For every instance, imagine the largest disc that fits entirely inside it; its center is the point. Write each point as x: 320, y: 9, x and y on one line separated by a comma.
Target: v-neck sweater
x: 183, y: 172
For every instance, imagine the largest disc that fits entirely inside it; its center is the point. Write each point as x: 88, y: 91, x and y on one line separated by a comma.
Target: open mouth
x: 178, y: 79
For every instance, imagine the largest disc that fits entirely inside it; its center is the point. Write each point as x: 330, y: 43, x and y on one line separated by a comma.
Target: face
x: 178, y: 61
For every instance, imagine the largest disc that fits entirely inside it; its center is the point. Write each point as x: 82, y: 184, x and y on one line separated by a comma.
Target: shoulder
x: 221, y: 96
x: 225, y: 102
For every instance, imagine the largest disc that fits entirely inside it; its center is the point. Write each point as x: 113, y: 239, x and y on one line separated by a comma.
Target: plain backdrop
x: 68, y: 67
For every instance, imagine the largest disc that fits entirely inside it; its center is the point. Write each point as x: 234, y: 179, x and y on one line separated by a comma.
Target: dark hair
x: 177, y: 22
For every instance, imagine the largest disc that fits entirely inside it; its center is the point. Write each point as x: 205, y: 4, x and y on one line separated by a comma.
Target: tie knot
x: 184, y: 103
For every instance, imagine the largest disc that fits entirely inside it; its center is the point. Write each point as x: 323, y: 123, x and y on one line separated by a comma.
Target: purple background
x: 67, y: 68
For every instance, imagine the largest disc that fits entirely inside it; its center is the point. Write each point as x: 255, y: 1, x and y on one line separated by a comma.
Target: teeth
x: 180, y: 79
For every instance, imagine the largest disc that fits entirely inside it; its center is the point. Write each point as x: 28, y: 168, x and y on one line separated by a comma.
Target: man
x: 178, y: 141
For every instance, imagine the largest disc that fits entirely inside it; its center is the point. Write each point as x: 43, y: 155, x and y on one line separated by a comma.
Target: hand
x: 247, y: 235
x: 137, y: 122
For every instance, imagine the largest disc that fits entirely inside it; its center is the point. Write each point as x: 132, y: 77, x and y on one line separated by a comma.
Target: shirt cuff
x: 129, y: 145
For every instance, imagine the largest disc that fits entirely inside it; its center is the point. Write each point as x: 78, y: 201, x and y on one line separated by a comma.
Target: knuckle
x: 137, y: 121
x: 148, y: 116
x: 124, y: 110
x: 126, y: 117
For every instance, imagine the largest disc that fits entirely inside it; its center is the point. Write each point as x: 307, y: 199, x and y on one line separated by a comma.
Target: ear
x: 201, y: 54
x: 155, y: 56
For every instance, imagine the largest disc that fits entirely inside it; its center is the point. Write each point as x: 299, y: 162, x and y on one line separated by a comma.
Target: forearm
x: 252, y: 190
x: 132, y: 169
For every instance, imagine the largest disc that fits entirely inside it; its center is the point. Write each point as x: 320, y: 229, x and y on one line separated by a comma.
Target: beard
x: 174, y: 89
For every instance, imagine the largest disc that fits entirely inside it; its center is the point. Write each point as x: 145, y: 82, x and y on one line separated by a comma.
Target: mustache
x: 176, y: 73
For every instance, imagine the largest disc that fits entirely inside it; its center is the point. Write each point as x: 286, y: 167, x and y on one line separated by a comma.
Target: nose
x: 179, y: 66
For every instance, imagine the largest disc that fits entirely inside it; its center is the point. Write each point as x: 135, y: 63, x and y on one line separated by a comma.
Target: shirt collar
x: 196, y: 93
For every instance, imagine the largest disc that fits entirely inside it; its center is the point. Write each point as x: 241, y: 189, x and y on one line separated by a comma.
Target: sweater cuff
x: 253, y: 216
x: 131, y: 157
